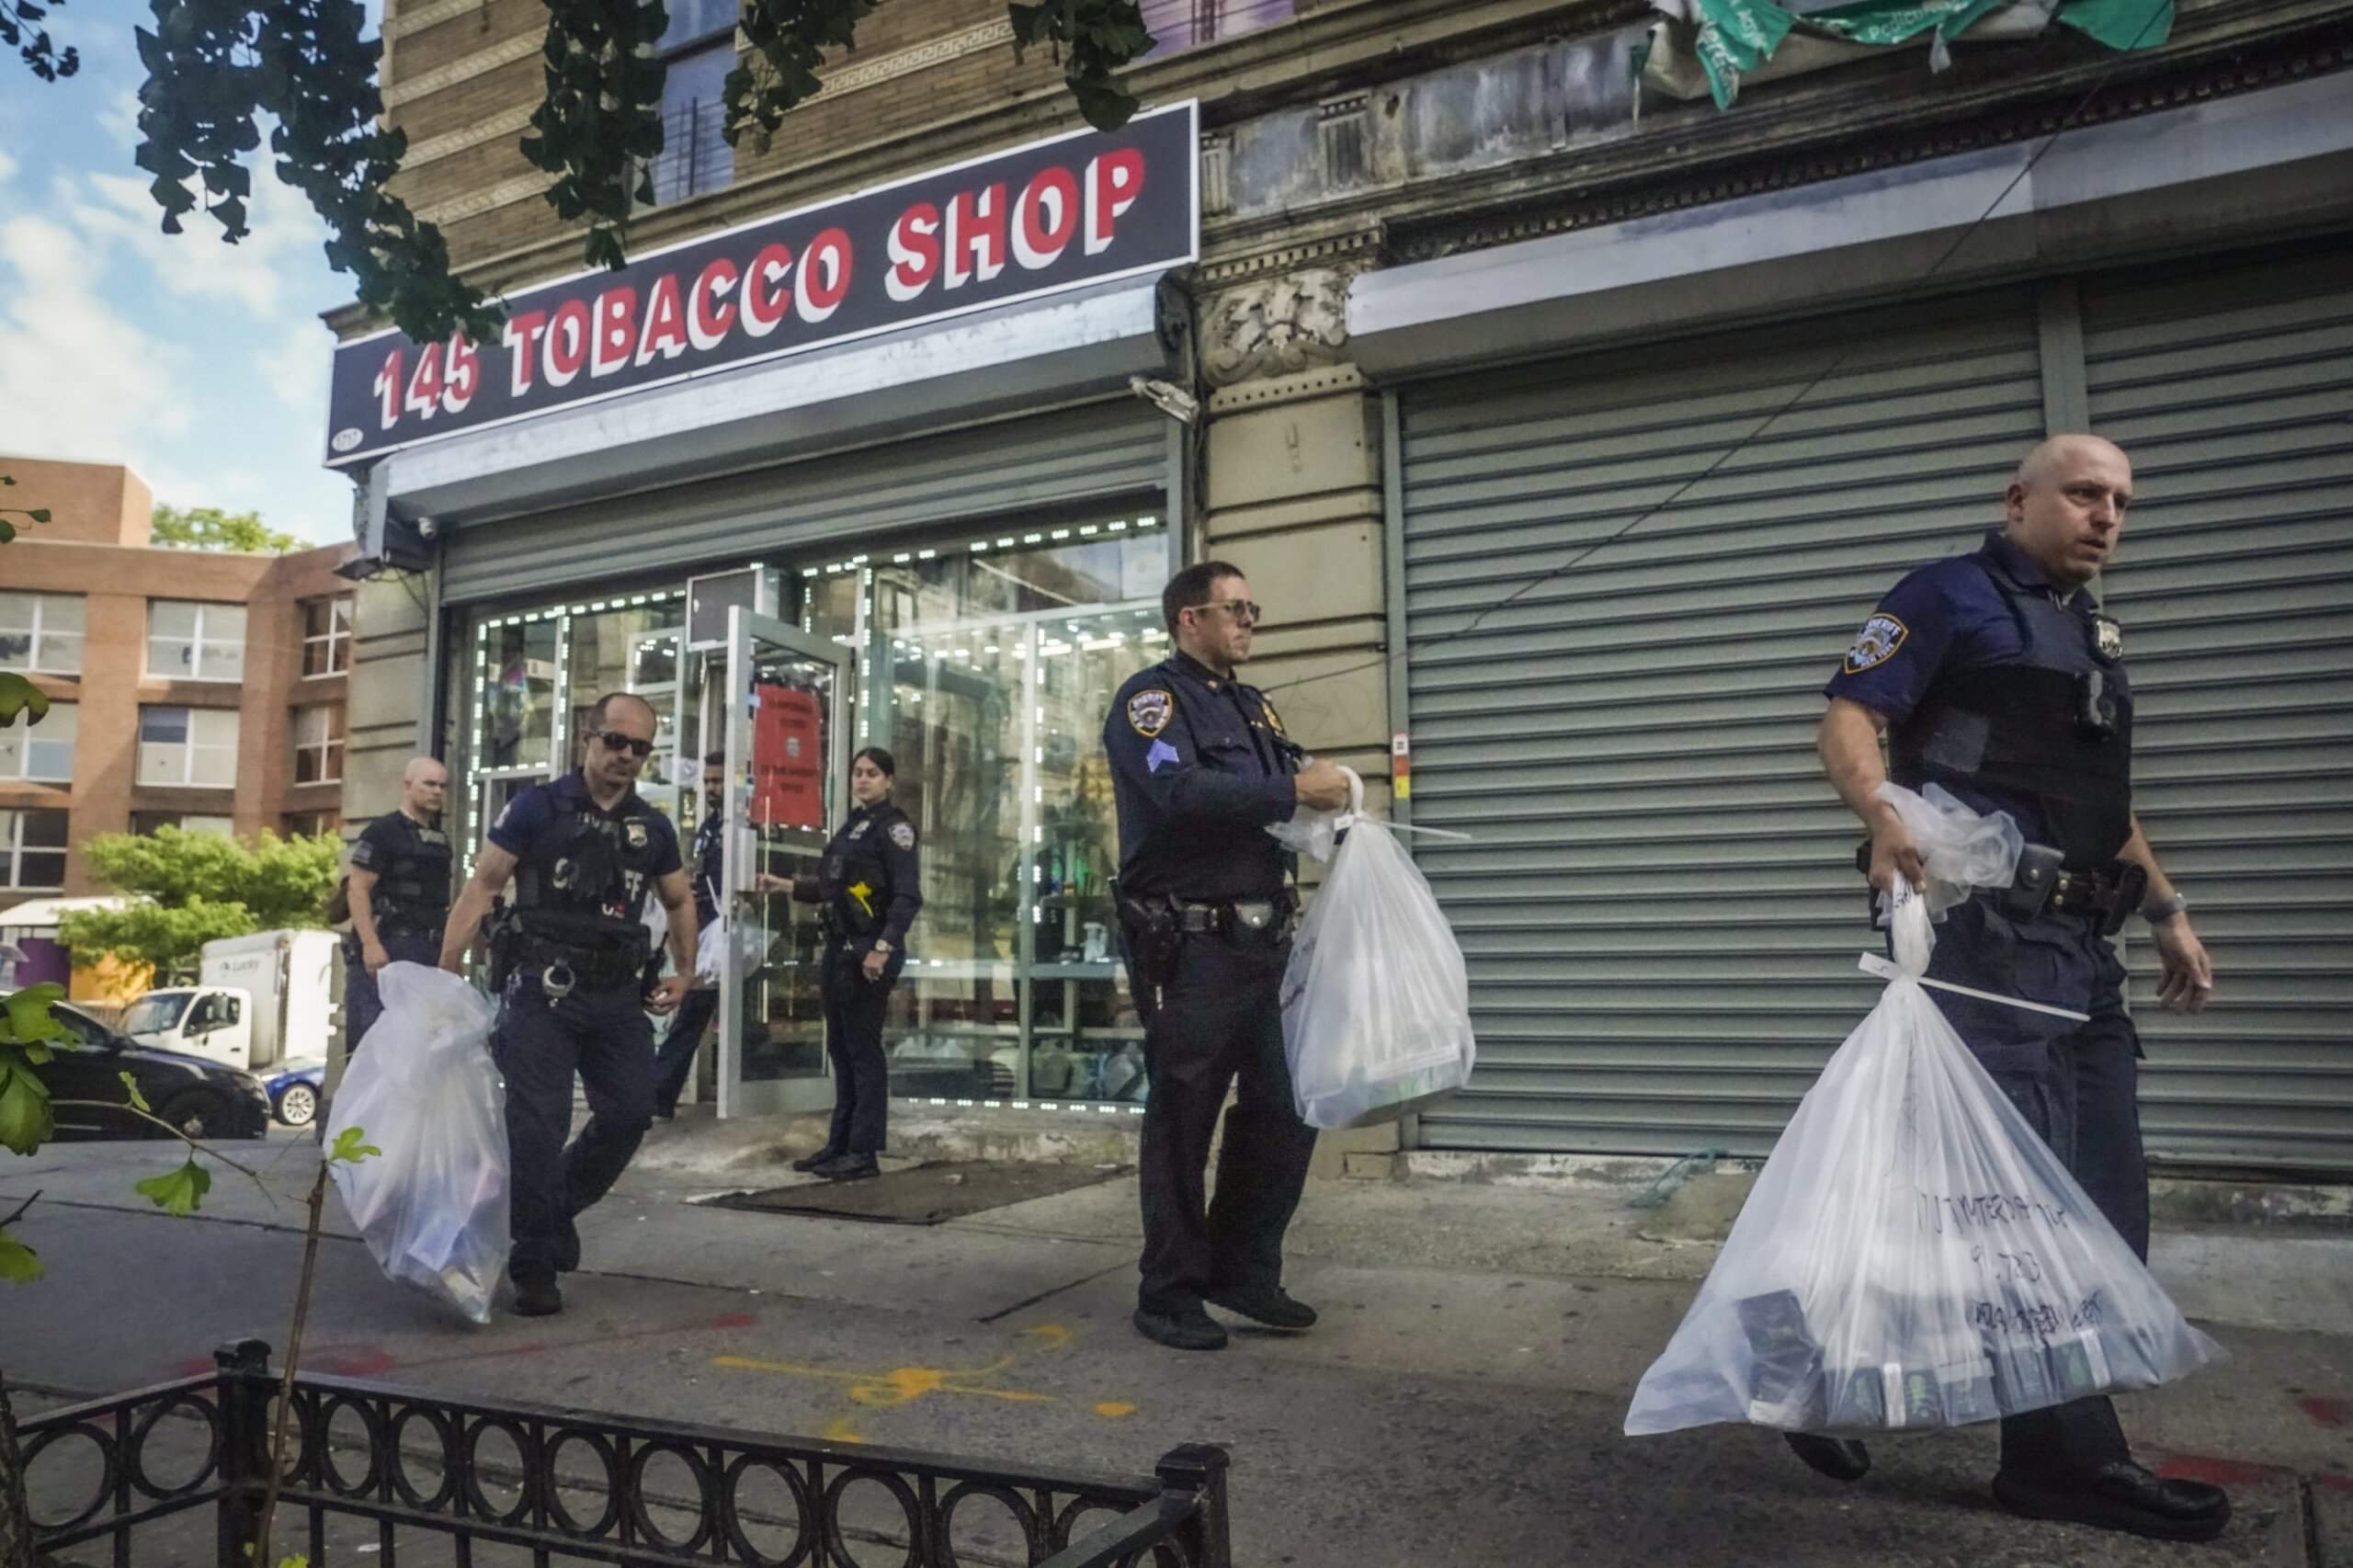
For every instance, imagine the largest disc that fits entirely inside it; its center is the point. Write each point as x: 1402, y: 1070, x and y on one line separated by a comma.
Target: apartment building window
x: 189, y: 641
x: 146, y: 822
x: 1188, y: 23
x: 326, y: 637
x: 193, y: 746
x: 41, y: 631
x: 32, y: 851
x: 42, y: 752
x: 318, y: 743
x: 310, y: 824
x: 699, y: 48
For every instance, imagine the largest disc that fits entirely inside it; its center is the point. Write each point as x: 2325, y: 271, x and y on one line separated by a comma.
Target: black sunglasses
x: 613, y: 739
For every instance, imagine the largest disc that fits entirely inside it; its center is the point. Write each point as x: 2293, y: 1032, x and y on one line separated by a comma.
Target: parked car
x: 203, y: 1099
x: 294, y: 1088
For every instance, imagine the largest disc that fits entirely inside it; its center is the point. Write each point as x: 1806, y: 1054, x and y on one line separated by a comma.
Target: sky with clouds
x: 201, y: 365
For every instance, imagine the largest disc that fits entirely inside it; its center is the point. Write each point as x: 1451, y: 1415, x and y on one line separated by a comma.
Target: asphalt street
x: 1460, y: 1403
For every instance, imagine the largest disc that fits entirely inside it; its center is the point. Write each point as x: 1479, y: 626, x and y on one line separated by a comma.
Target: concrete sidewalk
x: 1460, y: 1403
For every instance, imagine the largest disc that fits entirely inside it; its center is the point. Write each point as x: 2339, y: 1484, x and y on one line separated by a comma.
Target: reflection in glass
x: 632, y: 649
x: 515, y: 674
x: 792, y: 797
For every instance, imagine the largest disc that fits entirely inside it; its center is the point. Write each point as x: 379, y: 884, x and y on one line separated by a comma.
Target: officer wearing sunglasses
x: 583, y: 852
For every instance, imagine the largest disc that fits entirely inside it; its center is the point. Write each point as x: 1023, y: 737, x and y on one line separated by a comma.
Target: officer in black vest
x: 1200, y: 766
x: 1994, y: 676
x: 583, y: 852
x: 399, y: 894
x: 868, y: 887
x: 675, y: 1062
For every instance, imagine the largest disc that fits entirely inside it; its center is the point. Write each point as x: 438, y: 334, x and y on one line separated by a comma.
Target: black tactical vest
x: 2053, y: 724
x: 411, y: 893
x: 583, y: 886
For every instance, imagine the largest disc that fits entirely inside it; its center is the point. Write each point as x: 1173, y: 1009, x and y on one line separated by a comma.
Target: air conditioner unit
x: 756, y: 588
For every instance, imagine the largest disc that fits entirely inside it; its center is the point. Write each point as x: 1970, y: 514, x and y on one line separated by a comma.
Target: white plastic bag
x: 1914, y: 1257
x: 422, y: 1088
x: 1376, y: 1000
x: 1961, y: 850
x: 752, y: 942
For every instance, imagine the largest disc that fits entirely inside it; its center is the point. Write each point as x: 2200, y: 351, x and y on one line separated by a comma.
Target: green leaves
x: 349, y: 1147
x: 137, y: 1100
x: 210, y: 527
x: 18, y: 1263
x: 178, y: 1192
x: 26, y: 1122
x: 27, y: 1015
x: 188, y: 889
x: 18, y: 695
x: 31, y: 43
x: 1095, y: 39
x: 599, y: 127
x: 27, y: 1033
x: 788, y: 39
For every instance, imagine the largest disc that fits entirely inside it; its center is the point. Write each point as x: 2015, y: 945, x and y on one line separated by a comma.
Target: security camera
x: 428, y: 527
x: 1173, y: 400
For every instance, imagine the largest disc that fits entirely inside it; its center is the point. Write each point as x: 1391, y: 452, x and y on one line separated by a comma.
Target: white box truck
x: 258, y: 1001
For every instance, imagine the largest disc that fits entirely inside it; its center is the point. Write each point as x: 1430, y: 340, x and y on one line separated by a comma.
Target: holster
x: 1148, y: 927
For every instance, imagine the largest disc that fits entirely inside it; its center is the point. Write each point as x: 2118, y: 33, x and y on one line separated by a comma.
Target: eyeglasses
x: 1239, y: 610
x: 613, y: 739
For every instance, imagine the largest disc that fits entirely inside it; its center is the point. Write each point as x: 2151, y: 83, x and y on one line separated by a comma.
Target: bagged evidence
x: 1376, y: 1001
x: 1914, y: 1256
x: 423, y: 1089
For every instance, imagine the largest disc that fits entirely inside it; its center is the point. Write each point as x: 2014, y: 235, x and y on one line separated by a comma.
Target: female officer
x: 868, y: 887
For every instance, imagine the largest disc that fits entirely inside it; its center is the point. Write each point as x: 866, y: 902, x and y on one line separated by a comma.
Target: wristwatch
x: 882, y: 946
x: 2157, y: 915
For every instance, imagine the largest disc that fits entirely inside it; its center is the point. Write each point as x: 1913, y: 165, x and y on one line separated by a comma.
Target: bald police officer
x: 400, y: 893
x: 584, y: 853
x: 1200, y: 766
x: 1996, y: 676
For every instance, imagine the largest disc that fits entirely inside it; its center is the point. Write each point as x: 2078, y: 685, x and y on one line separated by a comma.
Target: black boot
x: 1840, y: 1459
x: 1269, y: 1304
x: 2119, y: 1495
x: 1190, y: 1329
x: 850, y: 1167
x: 536, y: 1295
x: 823, y: 1156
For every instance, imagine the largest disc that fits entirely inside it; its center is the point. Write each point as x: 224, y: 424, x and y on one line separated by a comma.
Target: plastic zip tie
x: 1342, y: 825
x: 1886, y: 969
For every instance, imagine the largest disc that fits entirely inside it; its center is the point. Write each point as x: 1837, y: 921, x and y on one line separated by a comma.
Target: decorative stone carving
x: 1277, y: 326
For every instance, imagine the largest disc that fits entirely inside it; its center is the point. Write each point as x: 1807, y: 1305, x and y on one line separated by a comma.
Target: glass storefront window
x: 987, y: 666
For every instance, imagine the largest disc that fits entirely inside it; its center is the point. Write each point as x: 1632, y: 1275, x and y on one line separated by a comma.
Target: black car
x: 201, y: 1098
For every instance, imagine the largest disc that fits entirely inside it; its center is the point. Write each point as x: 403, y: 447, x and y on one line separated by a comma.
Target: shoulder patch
x: 1876, y: 643
x: 1149, y: 711
x: 1273, y: 721
x: 902, y: 835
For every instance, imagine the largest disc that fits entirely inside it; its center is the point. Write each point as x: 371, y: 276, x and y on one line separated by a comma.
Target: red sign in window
x: 788, y: 759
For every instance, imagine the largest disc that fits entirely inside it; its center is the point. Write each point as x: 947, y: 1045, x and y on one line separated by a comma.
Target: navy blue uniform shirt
x: 1941, y: 619
x: 531, y: 814
x: 1200, y: 766
x: 871, y: 871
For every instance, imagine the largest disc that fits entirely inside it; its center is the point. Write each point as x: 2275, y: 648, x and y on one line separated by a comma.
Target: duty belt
x: 2106, y: 895
x: 1242, y: 917
x: 560, y: 970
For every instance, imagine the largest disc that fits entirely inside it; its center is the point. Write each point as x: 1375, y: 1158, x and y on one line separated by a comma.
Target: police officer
x: 867, y: 887
x: 399, y: 894
x: 1200, y: 766
x: 583, y: 853
x: 675, y: 1062
x: 1996, y: 676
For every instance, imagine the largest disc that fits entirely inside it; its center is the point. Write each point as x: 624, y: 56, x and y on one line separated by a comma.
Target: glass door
x: 782, y: 697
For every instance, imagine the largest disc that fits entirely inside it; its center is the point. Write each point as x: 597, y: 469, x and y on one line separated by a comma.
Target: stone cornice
x: 408, y: 90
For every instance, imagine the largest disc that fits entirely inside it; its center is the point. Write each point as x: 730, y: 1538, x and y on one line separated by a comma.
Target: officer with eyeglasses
x: 583, y: 853
x: 1200, y: 766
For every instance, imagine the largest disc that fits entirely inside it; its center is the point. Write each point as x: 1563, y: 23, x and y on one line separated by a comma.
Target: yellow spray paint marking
x: 1053, y: 1335
x: 1115, y: 1408
x: 901, y: 1385
x: 842, y: 1429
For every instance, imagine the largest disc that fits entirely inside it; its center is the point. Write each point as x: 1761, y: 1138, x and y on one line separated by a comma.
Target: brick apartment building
x: 1567, y: 424
x: 194, y: 687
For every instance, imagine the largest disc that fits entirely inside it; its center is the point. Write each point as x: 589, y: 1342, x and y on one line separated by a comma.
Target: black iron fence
x: 563, y: 1483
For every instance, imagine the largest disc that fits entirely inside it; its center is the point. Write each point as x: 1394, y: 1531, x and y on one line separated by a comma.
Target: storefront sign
x: 1053, y: 216
x: 788, y: 759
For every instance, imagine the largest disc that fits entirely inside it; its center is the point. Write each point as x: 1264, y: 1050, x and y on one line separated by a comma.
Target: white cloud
x: 7, y: 167
x: 196, y: 263
x: 81, y: 381
x: 299, y: 369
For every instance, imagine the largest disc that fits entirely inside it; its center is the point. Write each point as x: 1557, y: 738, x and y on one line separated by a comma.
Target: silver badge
x: 2108, y: 638
x: 636, y: 831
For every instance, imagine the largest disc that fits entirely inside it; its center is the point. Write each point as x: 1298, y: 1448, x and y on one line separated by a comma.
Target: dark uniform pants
x: 2078, y: 1084
x: 605, y: 1037
x: 1220, y: 1017
x: 362, y: 1004
x: 855, y: 1006
x: 675, y: 1062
